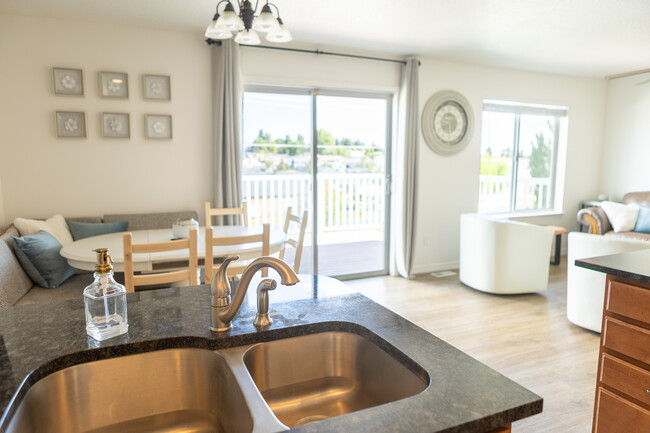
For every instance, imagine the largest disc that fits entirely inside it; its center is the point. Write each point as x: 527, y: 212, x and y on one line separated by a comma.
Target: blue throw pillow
x: 39, y: 256
x: 643, y: 220
x: 86, y: 230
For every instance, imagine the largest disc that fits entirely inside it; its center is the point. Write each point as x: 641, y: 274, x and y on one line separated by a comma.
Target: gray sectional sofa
x: 16, y: 288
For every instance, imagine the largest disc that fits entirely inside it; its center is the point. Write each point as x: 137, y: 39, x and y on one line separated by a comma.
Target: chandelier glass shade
x: 245, y: 24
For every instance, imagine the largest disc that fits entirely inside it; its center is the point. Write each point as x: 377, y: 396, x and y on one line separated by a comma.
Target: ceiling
x: 576, y: 37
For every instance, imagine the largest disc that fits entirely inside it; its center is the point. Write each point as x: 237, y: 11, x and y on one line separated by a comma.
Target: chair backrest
x: 210, y: 212
x: 191, y: 273
x: 263, y: 238
x: 297, y: 242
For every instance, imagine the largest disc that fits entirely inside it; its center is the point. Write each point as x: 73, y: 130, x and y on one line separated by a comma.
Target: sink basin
x: 314, y: 377
x: 164, y: 391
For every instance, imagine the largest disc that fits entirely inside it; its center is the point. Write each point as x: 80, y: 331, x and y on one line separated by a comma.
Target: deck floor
x: 341, y: 258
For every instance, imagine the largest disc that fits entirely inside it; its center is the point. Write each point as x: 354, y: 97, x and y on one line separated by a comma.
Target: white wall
x: 42, y: 175
x: 283, y: 68
x: 627, y: 136
x: 448, y: 185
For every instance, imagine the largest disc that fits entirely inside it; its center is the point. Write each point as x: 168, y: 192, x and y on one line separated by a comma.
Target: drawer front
x: 617, y: 415
x: 625, y: 377
x: 627, y: 339
x: 629, y: 301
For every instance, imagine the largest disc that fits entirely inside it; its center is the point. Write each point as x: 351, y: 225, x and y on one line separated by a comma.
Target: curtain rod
x: 328, y: 53
x: 626, y: 74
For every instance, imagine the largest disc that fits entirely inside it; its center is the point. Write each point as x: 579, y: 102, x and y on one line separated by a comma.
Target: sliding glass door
x: 341, y: 178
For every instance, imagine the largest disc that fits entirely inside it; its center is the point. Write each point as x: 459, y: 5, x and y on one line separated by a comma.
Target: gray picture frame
x: 114, y: 85
x: 70, y: 124
x: 68, y: 81
x: 156, y: 87
x: 158, y: 126
x: 116, y: 125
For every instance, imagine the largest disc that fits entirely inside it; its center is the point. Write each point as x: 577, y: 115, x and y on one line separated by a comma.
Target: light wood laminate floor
x: 525, y: 337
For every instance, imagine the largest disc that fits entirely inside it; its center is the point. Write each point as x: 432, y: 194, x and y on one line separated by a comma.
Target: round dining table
x: 80, y: 254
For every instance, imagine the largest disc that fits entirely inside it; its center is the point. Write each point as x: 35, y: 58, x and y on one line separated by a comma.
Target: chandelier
x: 246, y: 24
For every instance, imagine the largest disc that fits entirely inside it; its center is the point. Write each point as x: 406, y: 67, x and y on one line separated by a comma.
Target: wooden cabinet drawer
x: 627, y: 339
x: 625, y: 377
x: 629, y: 301
x: 617, y: 415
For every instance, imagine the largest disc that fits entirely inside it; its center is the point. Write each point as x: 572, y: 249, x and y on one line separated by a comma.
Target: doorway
x: 327, y: 152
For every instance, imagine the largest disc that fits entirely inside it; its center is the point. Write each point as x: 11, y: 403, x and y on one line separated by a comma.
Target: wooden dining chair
x: 294, y: 242
x: 210, y: 212
x: 264, y: 239
x: 191, y: 273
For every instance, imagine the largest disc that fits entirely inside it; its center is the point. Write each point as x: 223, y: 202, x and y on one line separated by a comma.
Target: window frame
x: 518, y: 109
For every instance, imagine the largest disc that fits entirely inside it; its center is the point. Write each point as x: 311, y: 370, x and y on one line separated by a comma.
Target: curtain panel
x: 405, y: 187
x: 226, y: 134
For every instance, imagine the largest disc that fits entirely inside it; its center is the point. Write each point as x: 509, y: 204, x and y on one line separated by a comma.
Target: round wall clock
x: 447, y: 122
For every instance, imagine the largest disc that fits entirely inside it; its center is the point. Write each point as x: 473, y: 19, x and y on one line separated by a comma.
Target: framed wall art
x: 70, y: 124
x: 158, y: 125
x: 68, y: 81
x: 116, y: 125
x: 156, y: 87
x: 114, y: 85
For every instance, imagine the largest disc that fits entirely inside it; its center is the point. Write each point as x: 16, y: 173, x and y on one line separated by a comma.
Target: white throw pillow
x: 623, y: 217
x: 55, y: 225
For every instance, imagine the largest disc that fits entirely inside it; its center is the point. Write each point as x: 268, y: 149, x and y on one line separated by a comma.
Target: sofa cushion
x: 84, y: 220
x: 73, y: 288
x: 14, y: 282
x: 55, y: 225
x: 640, y: 198
x: 82, y: 230
x: 150, y: 221
x: 643, y: 221
x: 636, y: 236
x: 623, y: 217
x: 40, y: 258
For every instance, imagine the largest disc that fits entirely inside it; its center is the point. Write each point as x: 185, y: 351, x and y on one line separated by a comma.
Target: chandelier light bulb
x: 266, y: 22
x: 248, y: 37
x: 215, y: 31
x: 230, y: 19
x: 282, y: 35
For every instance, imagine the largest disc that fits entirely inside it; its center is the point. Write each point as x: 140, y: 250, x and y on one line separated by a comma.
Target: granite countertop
x: 634, y: 265
x: 464, y: 395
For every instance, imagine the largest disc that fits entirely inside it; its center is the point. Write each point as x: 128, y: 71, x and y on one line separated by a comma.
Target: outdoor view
x: 516, y: 169
x: 351, y: 170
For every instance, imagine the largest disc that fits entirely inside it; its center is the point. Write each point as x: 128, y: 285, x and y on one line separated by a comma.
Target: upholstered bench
x: 16, y: 288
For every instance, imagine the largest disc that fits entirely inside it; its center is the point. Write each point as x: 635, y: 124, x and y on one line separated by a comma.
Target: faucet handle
x: 220, y: 288
x: 262, y: 319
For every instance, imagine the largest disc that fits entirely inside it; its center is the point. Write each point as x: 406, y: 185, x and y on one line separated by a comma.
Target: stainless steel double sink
x: 263, y: 387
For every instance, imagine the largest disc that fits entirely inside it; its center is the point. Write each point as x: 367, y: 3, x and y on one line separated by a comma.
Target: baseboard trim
x: 444, y: 266
x: 434, y: 267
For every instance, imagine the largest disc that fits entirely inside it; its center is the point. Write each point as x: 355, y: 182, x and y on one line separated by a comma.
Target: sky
x: 354, y: 118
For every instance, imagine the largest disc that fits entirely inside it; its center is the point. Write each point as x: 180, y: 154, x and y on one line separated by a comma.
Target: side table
x: 558, y: 231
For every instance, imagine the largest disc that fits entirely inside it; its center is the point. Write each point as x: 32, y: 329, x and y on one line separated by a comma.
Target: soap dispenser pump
x: 105, y: 301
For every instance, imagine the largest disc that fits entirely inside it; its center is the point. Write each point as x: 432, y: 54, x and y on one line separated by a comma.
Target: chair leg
x: 558, y: 246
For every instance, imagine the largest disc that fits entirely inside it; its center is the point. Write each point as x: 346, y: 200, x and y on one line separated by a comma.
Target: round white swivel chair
x: 502, y: 256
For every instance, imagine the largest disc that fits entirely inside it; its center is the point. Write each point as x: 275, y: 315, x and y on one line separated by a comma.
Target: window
x: 520, y: 145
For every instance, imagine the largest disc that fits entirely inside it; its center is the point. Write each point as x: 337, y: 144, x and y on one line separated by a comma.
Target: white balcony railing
x: 346, y: 201
x: 495, y: 194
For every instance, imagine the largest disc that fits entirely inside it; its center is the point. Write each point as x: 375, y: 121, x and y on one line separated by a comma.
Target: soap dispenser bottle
x: 105, y: 301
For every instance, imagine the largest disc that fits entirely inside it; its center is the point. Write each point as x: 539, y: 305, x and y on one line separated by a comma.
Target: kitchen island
x: 623, y: 382
x: 463, y: 395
